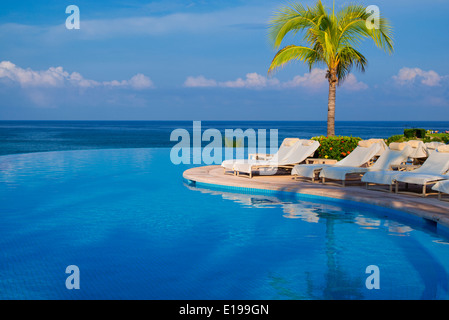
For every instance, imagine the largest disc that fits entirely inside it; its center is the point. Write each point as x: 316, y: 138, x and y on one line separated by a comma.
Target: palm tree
x: 329, y: 39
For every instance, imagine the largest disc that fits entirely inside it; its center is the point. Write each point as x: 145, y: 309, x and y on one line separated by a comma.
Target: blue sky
x: 207, y: 60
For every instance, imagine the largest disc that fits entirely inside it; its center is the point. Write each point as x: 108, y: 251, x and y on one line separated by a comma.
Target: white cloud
x: 409, y: 75
x: 311, y: 80
x: 199, y: 81
x: 316, y: 78
x: 352, y: 84
x: 27, y: 77
x: 57, y: 77
x: 252, y: 80
x: 139, y: 81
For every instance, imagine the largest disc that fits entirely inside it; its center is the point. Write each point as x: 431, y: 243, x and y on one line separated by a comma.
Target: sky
x: 207, y: 60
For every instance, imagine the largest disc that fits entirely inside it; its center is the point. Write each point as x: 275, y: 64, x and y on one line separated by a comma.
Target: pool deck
x: 428, y: 207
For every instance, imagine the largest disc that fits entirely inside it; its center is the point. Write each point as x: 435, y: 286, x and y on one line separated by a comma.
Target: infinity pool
x: 137, y: 230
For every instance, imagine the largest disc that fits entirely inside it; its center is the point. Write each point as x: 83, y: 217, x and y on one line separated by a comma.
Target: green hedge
x: 335, y: 147
x: 415, y: 133
x: 439, y: 137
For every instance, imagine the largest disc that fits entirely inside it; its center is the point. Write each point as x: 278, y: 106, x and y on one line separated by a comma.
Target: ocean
x: 40, y: 136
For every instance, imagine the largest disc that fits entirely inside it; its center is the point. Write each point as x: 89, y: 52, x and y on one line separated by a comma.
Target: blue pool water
x: 137, y: 230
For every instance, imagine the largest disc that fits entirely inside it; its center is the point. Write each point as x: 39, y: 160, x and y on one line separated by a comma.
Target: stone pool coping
x: 429, y: 208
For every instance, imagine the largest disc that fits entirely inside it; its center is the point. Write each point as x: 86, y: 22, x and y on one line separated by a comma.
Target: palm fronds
x: 329, y: 38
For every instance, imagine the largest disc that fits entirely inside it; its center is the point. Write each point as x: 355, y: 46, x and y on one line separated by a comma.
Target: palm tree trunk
x: 331, y: 105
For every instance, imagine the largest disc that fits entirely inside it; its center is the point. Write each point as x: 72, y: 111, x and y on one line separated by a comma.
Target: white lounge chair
x: 432, y: 146
x: 388, y: 177
x: 419, y: 151
x: 299, y: 152
x: 442, y: 187
x: 396, y: 154
x: 360, y: 156
x: 383, y: 146
x: 287, y: 145
x: 432, y: 171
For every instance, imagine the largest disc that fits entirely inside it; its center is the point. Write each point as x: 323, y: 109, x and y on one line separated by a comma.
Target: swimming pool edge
x: 430, y: 210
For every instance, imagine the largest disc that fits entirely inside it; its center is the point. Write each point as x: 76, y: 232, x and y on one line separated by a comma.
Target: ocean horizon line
x: 323, y: 121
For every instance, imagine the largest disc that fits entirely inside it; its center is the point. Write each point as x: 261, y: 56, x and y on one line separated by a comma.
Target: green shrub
x: 409, y: 133
x: 421, y: 133
x: 434, y: 139
x: 415, y: 133
x: 441, y: 137
x: 396, y: 138
x: 335, y: 147
x: 438, y: 137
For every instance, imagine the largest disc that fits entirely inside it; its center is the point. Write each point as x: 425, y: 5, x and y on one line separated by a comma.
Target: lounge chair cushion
x: 376, y: 140
x: 307, y: 142
x: 288, y: 142
x: 443, y: 149
x: 414, y: 143
x: 398, y: 146
x: 365, y: 143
